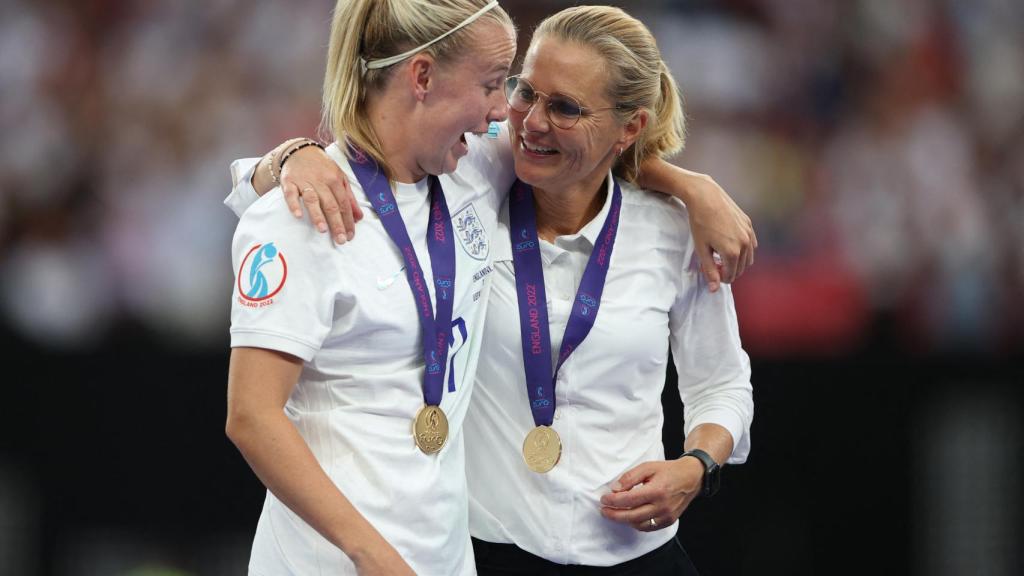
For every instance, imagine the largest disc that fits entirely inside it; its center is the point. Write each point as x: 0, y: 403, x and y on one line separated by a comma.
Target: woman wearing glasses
x: 567, y: 408
x: 590, y: 278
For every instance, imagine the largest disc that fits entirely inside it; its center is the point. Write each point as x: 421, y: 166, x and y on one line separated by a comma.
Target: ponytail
x: 665, y: 134
x: 345, y: 86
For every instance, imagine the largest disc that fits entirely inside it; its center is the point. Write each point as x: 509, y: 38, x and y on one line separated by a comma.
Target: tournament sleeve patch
x: 261, y: 276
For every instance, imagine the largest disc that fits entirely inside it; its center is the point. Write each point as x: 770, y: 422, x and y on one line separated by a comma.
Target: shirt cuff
x: 732, y: 422
x: 242, y: 193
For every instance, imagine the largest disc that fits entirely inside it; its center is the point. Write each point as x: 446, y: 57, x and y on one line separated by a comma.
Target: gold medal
x: 430, y: 429
x: 542, y: 449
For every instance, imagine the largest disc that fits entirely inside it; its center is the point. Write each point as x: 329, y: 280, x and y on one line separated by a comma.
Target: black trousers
x: 511, y: 560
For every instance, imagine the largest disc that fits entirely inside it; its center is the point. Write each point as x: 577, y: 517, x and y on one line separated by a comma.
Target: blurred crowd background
x: 878, y: 145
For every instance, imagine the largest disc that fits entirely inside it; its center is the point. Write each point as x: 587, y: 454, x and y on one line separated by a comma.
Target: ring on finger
x: 653, y: 523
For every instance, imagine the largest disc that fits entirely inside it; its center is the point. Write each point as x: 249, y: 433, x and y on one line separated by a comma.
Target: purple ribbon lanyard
x: 440, y: 245
x: 533, y: 310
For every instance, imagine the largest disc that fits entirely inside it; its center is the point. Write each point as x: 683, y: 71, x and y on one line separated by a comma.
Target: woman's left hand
x: 658, y: 491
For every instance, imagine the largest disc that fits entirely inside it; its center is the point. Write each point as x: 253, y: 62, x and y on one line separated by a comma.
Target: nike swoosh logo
x: 385, y: 282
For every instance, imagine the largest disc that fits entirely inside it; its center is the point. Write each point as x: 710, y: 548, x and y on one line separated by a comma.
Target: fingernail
x: 713, y: 286
x: 340, y: 238
x: 298, y: 213
x: 616, y: 486
x: 321, y: 227
x: 351, y: 235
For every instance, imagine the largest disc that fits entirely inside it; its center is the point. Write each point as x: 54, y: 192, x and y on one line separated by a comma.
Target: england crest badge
x: 471, y: 233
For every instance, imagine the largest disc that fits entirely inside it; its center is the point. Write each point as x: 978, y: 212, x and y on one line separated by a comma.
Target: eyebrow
x: 499, y: 67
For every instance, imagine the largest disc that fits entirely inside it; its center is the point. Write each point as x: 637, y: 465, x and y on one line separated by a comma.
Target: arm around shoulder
x: 309, y: 178
x: 718, y: 224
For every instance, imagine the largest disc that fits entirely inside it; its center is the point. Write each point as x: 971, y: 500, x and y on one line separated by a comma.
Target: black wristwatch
x: 712, y: 471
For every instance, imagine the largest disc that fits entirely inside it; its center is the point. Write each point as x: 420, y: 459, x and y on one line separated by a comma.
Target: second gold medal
x: 542, y: 449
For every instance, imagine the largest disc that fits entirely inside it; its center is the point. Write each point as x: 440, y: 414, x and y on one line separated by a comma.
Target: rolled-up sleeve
x: 714, y: 371
x: 242, y: 193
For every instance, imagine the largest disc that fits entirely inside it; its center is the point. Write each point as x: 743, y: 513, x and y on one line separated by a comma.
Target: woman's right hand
x: 311, y: 178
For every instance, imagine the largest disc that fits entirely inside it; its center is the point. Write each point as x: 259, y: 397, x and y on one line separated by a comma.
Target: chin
x: 449, y: 165
x: 451, y: 160
x: 530, y: 176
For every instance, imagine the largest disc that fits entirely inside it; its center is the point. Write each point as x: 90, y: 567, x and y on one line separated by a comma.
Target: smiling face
x: 553, y: 158
x: 466, y: 96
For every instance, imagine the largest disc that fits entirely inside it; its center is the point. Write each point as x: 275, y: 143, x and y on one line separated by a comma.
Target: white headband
x: 385, y: 62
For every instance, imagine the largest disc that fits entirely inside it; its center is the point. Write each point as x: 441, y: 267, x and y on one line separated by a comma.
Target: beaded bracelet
x: 275, y: 177
x: 270, y: 168
x: 305, y: 142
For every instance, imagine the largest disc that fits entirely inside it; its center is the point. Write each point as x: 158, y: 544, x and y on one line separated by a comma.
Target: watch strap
x: 711, y: 470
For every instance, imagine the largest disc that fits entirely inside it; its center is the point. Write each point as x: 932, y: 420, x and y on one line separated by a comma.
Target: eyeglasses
x: 563, y: 111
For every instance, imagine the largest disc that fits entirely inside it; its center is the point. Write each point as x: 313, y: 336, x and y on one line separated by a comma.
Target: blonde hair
x: 640, y: 80
x: 364, y: 30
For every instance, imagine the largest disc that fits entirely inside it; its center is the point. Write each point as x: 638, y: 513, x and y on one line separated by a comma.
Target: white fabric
x: 349, y: 314
x: 242, y: 193
x: 608, y: 393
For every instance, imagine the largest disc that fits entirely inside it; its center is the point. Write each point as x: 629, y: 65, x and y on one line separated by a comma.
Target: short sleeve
x: 286, y: 281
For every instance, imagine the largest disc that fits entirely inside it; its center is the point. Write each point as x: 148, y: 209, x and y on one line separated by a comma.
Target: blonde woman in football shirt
x: 329, y: 347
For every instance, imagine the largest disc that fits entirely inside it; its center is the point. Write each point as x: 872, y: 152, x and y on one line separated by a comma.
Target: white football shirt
x: 349, y: 314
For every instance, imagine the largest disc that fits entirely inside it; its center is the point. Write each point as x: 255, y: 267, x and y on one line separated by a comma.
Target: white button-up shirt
x: 608, y: 393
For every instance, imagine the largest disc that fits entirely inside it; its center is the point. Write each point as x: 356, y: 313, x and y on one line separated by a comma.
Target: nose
x: 499, y: 110
x: 536, y: 119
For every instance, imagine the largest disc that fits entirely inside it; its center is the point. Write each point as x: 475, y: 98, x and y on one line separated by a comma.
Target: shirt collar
x: 590, y: 232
